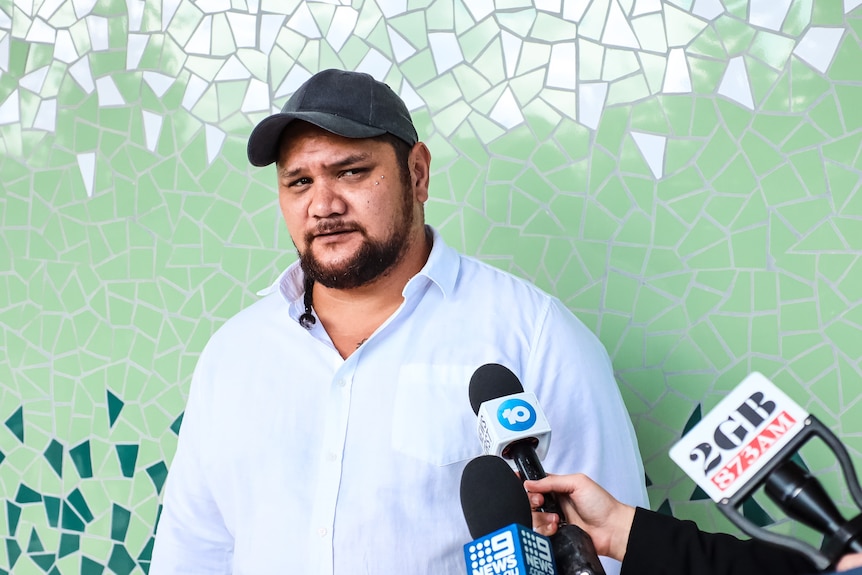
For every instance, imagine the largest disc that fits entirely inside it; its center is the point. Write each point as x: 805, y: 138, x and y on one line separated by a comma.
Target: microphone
x: 497, y: 510
x: 513, y: 426
x: 746, y: 442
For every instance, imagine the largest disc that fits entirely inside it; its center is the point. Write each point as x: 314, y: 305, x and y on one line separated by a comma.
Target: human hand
x: 586, y: 505
x: 849, y: 562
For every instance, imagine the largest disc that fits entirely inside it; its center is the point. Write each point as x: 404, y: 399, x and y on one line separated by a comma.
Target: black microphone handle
x: 574, y: 552
x: 523, y: 453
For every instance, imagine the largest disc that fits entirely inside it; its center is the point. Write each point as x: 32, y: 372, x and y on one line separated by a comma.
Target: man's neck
x: 350, y: 316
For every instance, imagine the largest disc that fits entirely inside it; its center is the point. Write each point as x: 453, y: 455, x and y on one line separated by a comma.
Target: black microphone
x: 803, y: 498
x: 498, y: 514
x: 517, y: 435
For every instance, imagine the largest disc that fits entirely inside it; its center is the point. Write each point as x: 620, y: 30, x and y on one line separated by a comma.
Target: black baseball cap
x: 350, y: 104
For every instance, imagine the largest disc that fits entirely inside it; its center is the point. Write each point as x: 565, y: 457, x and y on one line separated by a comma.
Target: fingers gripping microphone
x: 497, y: 512
x: 512, y: 425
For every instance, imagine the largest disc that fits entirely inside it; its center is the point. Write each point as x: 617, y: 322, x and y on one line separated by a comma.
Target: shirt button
x: 330, y: 456
x: 322, y: 531
x: 342, y: 382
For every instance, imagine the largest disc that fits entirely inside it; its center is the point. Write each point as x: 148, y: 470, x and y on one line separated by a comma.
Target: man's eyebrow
x: 340, y: 163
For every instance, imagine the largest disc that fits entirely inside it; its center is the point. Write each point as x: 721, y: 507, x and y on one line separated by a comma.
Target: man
x: 328, y: 424
x: 650, y: 543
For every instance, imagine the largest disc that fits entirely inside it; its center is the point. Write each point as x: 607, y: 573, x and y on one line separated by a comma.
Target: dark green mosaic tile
x: 119, y: 522
x: 13, y: 552
x: 90, y: 567
x: 120, y: 561
x: 52, y: 509
x: 27, y: 495
x: 15, y: 424
x: 54, y: 454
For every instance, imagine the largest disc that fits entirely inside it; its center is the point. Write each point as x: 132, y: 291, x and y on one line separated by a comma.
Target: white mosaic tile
x: 81, y: 73
x: 194, y: 90
x: 653, y: 148
x: 376, y: 64
x: 850, y: 5
x: 135, y: 47
x: 708, y: 9
x: 169, y: 8
x: 677, y: 79
x: 201, y: 40
x: 41, y: 32
x: 411, y: 98
x: 135, y: 9
x: 512, y: 45
x: 64, y: 48
x: 270, y: 26
x: 87, y: 167
x: 98, y: 29
x: 46, y: 116
x: 108, y: 93
x: 342, y: 27
x: 562, y: 68
x: 244, y: 29
x: 817, y: 47
x: 401, y: 48
x: 735, y: 84
x: 34, y: 80
x: 256, y: 97
x: 303, y: 22
x: 83, y: 7
x: 215, y: 138
x: 507, y: 112
x: 152, y: 129
x: 391, y: 8
x: 10, y: 110
x: 642, y: 7
x: 480, y: 9
x: 213, y: 6
x: 618, y: 32
x: 48, y: 8
x: 769, y: 14
x: 574, y: 10
x: 445, y: 50
x: 158, y: 83
x: 591, y: 102
x: 294, y: 79
x: 233, y: 69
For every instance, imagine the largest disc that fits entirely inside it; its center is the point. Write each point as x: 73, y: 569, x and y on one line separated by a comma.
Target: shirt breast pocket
x: 433, y: 420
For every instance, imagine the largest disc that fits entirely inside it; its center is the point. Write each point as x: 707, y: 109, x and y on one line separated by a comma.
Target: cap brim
x: 265, y: 139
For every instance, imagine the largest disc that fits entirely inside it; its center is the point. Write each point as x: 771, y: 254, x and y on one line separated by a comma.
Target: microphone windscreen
x: 492, y: 496
x: 491, y: 381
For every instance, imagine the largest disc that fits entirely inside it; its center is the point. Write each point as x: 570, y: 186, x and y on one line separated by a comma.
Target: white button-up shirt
x: 294, y: 460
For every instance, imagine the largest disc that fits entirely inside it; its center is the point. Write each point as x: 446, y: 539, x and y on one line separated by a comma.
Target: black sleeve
x: 661, y: 545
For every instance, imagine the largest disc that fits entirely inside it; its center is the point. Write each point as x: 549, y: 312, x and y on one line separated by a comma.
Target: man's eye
x: 353, y: 172
x: 300, y: 182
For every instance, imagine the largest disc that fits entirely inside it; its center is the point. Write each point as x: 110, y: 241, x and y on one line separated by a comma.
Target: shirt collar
x: 441, y: 269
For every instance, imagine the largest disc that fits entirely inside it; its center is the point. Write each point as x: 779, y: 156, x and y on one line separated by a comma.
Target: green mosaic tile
x: 827, y: 14
x: 798, y: 17
x: 851, y: 115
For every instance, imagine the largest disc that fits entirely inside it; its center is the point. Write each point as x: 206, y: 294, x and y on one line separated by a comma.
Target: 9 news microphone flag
x: 496, y: 509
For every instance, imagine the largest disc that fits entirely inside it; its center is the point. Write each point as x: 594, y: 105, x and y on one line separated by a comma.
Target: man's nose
x: 326, y: 201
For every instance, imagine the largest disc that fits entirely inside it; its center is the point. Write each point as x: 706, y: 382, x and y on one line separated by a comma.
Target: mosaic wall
x: 683, y: 174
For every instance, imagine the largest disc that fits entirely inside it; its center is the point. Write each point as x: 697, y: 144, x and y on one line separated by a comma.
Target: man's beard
x: 372, y: 260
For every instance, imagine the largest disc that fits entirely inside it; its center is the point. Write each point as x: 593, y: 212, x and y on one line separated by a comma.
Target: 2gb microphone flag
x: 739, y: 436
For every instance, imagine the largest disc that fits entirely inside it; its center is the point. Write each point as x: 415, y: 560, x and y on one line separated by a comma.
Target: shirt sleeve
x: 661, y: 545
x: 571, y: 374
x: 191, y: 536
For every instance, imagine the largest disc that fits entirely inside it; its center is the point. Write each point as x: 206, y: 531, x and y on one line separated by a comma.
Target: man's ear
x: 419, y: 163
